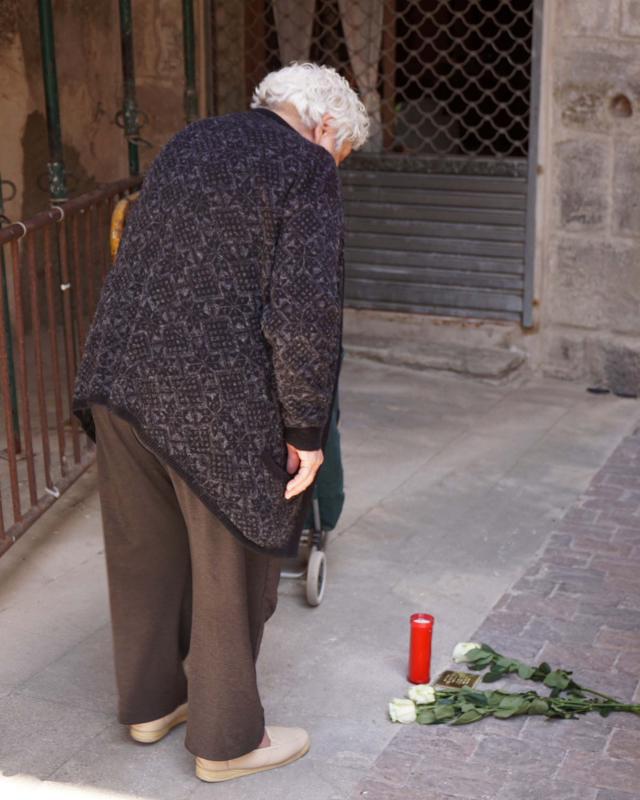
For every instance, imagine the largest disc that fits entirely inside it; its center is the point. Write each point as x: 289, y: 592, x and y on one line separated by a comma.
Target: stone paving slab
x: 577, y: 606
x: 474, y: 362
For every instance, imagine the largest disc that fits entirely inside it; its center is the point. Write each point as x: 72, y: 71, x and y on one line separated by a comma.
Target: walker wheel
x: 316, y: 576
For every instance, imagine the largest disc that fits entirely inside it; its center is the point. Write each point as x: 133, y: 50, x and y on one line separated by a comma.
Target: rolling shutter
x: 438, y: 239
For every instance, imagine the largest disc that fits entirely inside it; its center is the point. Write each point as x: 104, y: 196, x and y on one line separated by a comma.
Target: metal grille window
x: 437, y: 199
x: 437, y: 76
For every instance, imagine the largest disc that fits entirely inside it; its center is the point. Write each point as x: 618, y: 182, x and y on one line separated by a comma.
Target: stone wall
x: 90, y: 88
x: 588, y: 257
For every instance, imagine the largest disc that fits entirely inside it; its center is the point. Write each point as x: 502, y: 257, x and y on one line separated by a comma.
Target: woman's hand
x: 302, y: 465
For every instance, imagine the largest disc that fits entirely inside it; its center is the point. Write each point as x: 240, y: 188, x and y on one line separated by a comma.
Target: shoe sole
x: 148, y: 737
x: 216, y: 775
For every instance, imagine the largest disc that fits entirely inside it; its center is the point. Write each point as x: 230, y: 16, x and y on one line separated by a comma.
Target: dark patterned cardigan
x: 218, y: 331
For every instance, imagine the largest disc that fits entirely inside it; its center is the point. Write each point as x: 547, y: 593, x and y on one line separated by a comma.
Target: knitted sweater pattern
x: 218, y: 329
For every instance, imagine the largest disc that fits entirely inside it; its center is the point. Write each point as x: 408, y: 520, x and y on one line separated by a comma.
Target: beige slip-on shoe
x: 287, y: 745
x: 156, y: 729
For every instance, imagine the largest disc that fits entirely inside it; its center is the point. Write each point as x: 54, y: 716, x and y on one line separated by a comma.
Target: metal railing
x: 53, y: 266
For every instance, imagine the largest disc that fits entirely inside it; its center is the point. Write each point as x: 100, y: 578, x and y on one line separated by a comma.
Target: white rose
x: 461, y: 649
x: 422, y: 694
x: 402, y: 710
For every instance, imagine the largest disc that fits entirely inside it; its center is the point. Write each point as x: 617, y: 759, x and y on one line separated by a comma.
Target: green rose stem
x: 597, y: 694
x: 464, y: 706
x: 482, y: 655
x: 567, y: 699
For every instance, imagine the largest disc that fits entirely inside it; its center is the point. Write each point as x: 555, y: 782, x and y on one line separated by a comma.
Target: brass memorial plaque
x: 456, y: 680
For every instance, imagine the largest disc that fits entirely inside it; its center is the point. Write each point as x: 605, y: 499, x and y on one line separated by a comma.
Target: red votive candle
x: 420, y: 648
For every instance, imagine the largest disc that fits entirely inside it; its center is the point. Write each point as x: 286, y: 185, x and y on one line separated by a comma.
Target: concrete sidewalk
x: 452, y: 489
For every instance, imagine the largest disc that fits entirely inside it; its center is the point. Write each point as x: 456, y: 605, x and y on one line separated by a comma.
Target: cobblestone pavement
x: 577, y: 607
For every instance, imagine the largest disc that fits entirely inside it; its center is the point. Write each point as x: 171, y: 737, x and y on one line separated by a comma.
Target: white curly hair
x: 315, y: 90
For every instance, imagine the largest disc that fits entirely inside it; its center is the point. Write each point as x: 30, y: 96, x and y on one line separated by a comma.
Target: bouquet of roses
x: 566, y: 699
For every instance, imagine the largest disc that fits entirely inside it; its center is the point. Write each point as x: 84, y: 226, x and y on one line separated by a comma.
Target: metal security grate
x: 439, y: 202
x: 463, y: 76
x: 448, y: 77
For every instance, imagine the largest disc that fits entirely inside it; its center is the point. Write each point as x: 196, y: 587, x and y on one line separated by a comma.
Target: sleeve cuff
x: 304, y: 438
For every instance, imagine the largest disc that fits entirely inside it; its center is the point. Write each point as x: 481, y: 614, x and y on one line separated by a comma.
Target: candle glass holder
x: 421, y: 634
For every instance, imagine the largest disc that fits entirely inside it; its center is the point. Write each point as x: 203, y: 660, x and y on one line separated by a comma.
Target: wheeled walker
x: 327, y: 502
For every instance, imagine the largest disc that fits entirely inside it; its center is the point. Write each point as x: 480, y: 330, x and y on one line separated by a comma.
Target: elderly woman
x: 207, y: 382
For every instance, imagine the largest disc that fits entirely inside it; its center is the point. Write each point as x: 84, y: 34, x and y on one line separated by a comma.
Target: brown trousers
x: 180, y: 584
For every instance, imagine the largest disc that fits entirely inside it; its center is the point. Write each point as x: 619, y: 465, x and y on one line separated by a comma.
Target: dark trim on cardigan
x: 267, y: 113
x: 288, y: 551
x: 275, y: 117
x: 304, y: 438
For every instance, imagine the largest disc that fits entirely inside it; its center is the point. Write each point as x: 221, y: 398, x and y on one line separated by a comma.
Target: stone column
x: 590, y: 231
